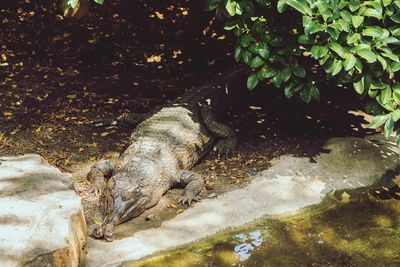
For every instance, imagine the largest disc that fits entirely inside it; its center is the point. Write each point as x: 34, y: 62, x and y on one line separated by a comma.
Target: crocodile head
x: 123, y: 201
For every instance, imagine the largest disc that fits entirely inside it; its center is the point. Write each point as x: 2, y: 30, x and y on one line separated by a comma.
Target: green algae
x: 350, y: 232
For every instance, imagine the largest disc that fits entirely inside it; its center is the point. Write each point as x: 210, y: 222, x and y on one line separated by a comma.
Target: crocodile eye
x: 131, y: 195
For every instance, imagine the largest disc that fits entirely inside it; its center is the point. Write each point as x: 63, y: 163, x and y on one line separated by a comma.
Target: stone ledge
x: 41, y: 217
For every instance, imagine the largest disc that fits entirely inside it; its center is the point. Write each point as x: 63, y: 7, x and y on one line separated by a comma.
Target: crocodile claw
x: 225, y: 148
x: 108, y: 233
x: 188, y: 200
x: 98, y: 232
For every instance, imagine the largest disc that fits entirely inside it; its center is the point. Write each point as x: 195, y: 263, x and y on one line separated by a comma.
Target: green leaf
x: 247, y: 57
x: 395, y: 17
x: 376, y: 5
x: 396, y: 97
x: 246, y: 40
x: 346, y: 15
x: 396, y: 115
x: 263, y: 50
x: 396, y: 88
x: 333, y: 32
x: 100, y: 2
x: 382, y: 61
x: 323, y: 60
x: 395, y: 31
x: 237, y: 32
x: 349, y: 62
x: 386, y: 2
x: 256, y: 62
x: 314, y: 91
x: 306, y: 21
x: 378, y: 121
x: 305, y: 39
x: 378, y: 85
x: 289, y: 90
x: 389, y: 125
x: 267, y: 73
x: 344, y: 25
x: 359, y: 86
x: 230, y: 6
x: 252, y: 81
x: 238, y: 53
x: 299, y: 71
x: 366, y: 54
x: 230, y: 25
x: 370, y: 12
x: 338, y: 49
x: 276, y: 42
x: 359, y: 65
x: 305, y: 94
x: 276, y: 58
x: 249, y: 9
x: 318, y: 51
x: 395, y: 66
x: 357, y: 21
x: 286, y: 73
x: 372, y: 93
x: 240, y: 6
x: 278, y: 79
x: 301, y: 6
x: 367, y: 80
x: 253, y: 48
x: 72, y: 3
x: 335, y: 68
x: 212, y: 4
x: 314, y: 27
x: 391, y: 40
x: 386, y: 95
x: 372, y: 32
x: 354, y: 5
x: 352, y: 38
x: 391, y: 56
x: 281, y: 6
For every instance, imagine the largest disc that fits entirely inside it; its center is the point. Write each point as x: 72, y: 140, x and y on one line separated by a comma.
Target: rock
x: 41, y: 218
x: 289, y: 185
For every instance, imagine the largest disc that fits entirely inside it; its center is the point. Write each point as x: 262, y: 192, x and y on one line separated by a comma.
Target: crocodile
x: 162, y: 150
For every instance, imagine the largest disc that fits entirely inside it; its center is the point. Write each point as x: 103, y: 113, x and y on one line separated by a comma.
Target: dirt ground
x: 133, y: 56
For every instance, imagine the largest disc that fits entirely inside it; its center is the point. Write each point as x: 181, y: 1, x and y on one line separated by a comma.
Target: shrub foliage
x: 297, y: 44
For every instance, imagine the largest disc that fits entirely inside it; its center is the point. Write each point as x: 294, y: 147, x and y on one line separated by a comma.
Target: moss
x: 358, y: 232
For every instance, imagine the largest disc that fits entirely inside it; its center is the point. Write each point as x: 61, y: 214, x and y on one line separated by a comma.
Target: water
x: 248, y: 242
x: 356, y: 233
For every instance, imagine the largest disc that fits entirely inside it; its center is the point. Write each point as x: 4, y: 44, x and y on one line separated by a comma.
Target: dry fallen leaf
x: 154, y: 58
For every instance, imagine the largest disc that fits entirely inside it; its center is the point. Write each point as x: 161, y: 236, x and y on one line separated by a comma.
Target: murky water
x: 360, y: 232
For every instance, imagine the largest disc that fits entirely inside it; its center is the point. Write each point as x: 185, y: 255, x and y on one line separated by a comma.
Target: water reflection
x: 248, y: 243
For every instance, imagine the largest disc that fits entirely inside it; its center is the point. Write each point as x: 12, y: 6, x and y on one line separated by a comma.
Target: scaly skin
x: 163, y: 149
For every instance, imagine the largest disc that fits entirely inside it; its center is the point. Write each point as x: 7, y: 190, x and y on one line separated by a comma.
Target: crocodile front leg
x: 193, y: 183
x: 225, y: 147
x: 98, y: 173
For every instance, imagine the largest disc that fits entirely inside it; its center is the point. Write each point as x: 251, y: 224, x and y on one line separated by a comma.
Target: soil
x: 131, y: 56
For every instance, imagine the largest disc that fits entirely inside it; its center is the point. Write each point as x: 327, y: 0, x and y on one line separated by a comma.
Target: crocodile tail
x: 229, y: 76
